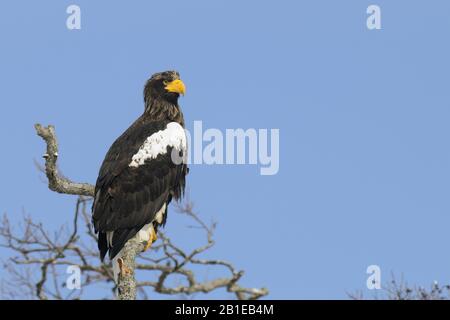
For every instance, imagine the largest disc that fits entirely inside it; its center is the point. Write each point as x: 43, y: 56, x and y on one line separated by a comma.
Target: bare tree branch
x: 55, y: 181
x: 399, y: 289
x: 127, y: 283
x: 35, y: 247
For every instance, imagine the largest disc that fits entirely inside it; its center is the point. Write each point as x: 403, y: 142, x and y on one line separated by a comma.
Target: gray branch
x: 126, y: 286
x: 126, y: 283
x: 46, y: 252
x: 56, y: 182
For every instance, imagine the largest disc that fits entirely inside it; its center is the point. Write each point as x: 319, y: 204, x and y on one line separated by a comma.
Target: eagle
x: 143, y: 171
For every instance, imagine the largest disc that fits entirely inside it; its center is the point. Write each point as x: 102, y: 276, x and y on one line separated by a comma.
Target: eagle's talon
x: 147, y: 245
x: 152, y: 238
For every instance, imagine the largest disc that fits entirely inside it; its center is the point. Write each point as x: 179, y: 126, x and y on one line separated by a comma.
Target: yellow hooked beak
x: 175, y: 86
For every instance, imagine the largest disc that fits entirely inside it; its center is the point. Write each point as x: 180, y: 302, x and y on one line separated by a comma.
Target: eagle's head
x: 164, y: 86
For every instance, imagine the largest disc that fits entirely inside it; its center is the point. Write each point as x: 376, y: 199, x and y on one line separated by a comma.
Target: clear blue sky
x: 363, y: 116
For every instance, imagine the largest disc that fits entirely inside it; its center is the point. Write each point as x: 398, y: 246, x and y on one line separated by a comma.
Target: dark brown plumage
x: 129, y: 194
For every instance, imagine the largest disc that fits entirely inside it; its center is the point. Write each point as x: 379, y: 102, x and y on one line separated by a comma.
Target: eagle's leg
x: 151, y: 237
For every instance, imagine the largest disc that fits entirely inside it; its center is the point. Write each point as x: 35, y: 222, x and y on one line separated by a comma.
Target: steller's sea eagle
x: 142, y: 171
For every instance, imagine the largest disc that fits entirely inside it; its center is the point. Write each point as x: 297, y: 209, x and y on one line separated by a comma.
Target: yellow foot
x: 152, y: 238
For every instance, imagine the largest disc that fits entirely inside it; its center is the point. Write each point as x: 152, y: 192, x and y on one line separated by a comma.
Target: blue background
x: 363, y: 118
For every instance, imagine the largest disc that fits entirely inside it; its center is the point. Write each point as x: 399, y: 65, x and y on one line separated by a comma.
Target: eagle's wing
x: 137, y: 178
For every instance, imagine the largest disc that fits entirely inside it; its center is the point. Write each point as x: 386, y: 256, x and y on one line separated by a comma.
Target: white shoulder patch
x: 172, y: 136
